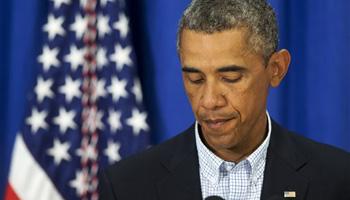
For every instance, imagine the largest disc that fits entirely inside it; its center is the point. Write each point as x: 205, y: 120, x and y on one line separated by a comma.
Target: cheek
x: 189, y: 90
x: 192, y: 94
x: 248, y: 98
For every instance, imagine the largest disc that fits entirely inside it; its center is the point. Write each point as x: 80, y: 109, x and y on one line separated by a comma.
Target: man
x: 229, y: 58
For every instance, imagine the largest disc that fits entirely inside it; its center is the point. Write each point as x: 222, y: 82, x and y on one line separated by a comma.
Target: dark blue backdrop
x: 313, y: 100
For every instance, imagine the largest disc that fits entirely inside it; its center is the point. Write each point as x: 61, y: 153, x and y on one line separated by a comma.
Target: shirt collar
x: 210, y: 163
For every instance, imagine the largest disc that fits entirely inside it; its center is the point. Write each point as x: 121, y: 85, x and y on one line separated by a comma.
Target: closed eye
x: 196, y: 81
x: 194, y: 77
x: 231, y: 80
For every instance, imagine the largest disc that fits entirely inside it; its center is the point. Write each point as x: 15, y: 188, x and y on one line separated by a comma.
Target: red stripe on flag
x: 10, y: 193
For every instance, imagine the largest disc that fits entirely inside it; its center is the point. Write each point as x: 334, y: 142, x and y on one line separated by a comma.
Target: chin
x: 224, y: 140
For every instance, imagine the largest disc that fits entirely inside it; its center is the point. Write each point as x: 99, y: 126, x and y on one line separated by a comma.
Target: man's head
x: 228, y: 54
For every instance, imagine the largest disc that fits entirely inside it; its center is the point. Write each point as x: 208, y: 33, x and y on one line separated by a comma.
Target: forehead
x: 215, y: 49
x: 221, y: 40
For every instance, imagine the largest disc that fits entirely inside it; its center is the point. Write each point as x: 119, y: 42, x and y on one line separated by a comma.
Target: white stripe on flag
x: 27, y: 178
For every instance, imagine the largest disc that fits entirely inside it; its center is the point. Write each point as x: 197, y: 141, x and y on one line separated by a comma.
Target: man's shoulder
x: 323, y: 156
x: 154, y: 159
x: 318, y: 150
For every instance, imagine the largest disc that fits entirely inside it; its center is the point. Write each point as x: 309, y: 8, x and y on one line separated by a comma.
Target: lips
x: 216, y: 123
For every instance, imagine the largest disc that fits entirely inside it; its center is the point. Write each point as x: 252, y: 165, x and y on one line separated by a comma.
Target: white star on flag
x: 122, y: 25
x: 43, y: 89
x: 48, y: 58
x: 121, y: 56
x: 37, y: 120
x: 65, y: 120
x: 83, y: 3
x: 70, y: 89
x: 58, y: 3
x: 59, y: 151
x: 99, y: 123
x: 117, y: 89
x: 54, y: 26
x: 100, y: 88
x: 94, y: 120
x: 79, y: 26
x: 112, y: 151
x: 89, y: 153
x: 136, y: 90
x: 79, y: 183
x: 103, y: 26
x: 104, y: 2
x: 101, y: 58
x: 114, y: 120
x: 75, y: 57
x: 137, y: 121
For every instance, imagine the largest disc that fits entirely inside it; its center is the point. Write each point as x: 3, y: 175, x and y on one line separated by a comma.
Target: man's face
x: 227, y: 86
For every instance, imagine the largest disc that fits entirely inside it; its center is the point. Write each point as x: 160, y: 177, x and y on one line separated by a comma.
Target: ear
x: 278, y: 66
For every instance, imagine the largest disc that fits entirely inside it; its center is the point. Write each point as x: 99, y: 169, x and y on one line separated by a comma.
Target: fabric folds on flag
x: 85, y: 110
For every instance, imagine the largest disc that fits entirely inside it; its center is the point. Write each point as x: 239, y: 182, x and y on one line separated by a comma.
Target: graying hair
x: 257, y: 16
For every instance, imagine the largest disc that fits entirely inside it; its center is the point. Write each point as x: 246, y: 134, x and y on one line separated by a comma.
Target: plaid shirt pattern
x: 229, y: 180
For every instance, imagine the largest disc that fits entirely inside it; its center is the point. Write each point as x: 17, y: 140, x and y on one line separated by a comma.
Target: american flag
x: 85, y: 110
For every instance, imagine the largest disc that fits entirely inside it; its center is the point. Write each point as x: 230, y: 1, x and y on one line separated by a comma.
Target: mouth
x: 216, y: 124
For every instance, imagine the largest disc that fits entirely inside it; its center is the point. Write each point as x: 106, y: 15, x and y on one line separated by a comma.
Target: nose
x: 213, y: 97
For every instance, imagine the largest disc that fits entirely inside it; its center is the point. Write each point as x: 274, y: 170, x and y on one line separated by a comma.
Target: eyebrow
x: 191, y: 70
x: 230, y: 68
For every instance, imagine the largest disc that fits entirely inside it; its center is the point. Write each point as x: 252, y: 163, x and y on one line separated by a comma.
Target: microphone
x: 214, y: 198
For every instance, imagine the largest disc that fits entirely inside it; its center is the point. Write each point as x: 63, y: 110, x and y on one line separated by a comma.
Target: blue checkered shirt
x: 229, y: 180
